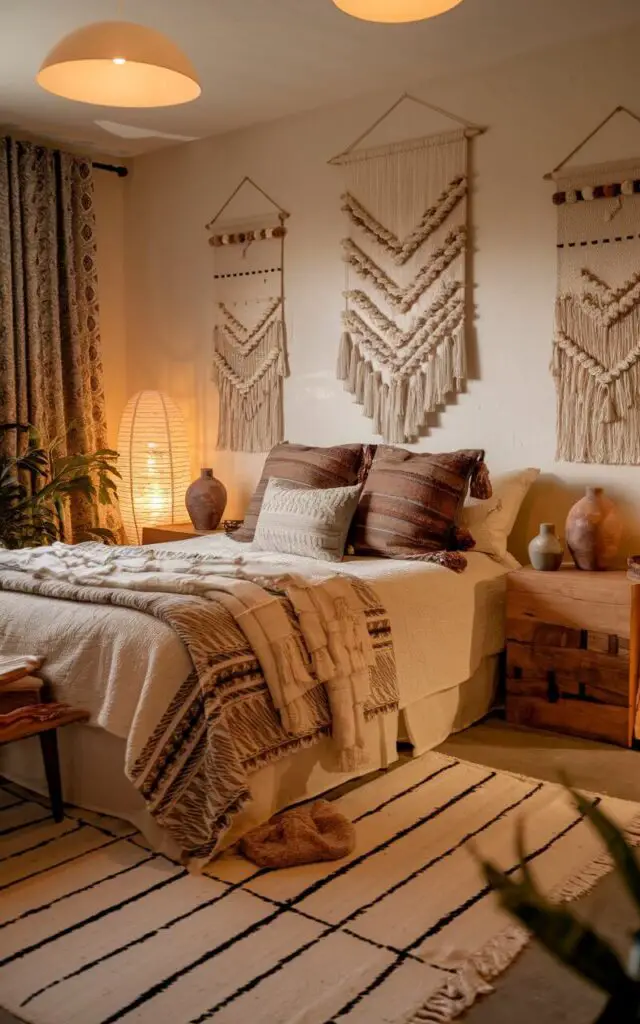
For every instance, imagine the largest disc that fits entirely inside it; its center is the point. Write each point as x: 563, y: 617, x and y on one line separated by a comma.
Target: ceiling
x: 263, y: 59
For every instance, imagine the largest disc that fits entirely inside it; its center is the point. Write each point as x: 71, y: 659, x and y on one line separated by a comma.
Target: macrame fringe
x: 368, y: 400
x: 474, y: 977
x: 597, y: 375
x: 251, y: 422
x: 250, y: 388
x: 344, y: 356
x: 400, y: 406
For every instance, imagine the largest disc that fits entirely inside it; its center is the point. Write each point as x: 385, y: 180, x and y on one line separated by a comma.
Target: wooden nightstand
x: 572, y: 652
x: 172, y: 531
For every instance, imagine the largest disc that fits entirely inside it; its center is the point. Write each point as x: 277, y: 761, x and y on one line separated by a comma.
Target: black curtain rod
x: 112, y: 168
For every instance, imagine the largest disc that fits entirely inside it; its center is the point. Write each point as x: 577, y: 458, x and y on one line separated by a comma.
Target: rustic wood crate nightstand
x: 572, y: 652
x: 171, y: 532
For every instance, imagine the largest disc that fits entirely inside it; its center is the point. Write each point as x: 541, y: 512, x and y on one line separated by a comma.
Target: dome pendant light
x: 119, y: 64
x: 395, y: 11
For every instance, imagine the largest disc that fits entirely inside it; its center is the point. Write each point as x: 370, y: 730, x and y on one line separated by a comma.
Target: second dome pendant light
x: 395, y: 11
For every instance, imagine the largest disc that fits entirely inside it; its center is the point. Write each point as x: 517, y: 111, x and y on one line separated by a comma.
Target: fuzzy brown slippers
x: 314, y: 832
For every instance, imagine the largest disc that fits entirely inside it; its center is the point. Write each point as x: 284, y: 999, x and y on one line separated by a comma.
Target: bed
x: 447, y: 631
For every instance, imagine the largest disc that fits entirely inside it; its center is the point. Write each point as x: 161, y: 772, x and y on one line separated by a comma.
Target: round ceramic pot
x: 545, y: 550
x: 205, y: 500
x: 593, y: 531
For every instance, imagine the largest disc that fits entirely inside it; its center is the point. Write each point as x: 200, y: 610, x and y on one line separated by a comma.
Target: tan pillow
x: 341, y: 466
x: 490, y: 522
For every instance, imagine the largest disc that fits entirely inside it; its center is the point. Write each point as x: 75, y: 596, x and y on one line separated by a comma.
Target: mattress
x: 102, y: 658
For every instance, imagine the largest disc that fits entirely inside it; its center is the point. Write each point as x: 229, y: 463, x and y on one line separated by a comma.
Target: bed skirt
x: 427, y: 723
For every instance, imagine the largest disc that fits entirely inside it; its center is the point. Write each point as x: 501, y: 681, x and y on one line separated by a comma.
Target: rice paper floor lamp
x: 154, y: 462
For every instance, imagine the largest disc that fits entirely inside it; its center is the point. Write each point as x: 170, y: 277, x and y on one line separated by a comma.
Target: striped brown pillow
x: 410, y: 502
x: 341, y: 466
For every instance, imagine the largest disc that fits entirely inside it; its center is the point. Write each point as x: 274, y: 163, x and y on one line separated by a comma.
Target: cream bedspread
x: 103, y: 658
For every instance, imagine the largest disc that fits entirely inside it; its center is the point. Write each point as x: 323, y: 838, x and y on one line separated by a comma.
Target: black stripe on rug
x: 171, y: 979
x: 98, y: 916
x: 59, y: 863
x: 446, y: 920
x: 405, y: 792
x: 44, y: 842
x: 26, y: 824
x: 232, y: 888
x: 134, y: 942
x: 340, y: 925
x: 76, y: 892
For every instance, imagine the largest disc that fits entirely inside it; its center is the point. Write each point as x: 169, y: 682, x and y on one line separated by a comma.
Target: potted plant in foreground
x: 38, y: 484
x: 568, y: 938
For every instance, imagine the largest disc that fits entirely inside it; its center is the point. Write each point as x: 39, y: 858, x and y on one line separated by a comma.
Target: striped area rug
x: 95, y: 928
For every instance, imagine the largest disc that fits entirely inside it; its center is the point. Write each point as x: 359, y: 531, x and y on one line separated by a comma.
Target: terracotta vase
x: 205, y: 500
x: 545, y: 550
x: 593, y: 531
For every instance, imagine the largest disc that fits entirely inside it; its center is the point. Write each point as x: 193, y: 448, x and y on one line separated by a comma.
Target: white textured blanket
x: 330, y: 618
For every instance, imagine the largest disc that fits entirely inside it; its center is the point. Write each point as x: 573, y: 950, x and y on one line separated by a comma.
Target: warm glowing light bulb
x: 119, y: 60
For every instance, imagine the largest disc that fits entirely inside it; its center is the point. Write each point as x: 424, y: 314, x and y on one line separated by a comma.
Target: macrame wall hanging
x: 250, y: 344
x: 403, y: 346
x: 596, y: 346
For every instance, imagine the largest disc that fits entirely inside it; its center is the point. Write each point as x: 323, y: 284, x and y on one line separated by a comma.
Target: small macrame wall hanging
x: 596, y: 345
x: 403, y: 346
x: 250, y: 342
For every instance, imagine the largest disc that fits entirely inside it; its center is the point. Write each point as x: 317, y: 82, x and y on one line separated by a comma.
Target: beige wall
x: 109, y: 192
x: 537, y: 109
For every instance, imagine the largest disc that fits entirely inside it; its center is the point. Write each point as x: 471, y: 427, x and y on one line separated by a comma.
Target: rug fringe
x: 474, y: 978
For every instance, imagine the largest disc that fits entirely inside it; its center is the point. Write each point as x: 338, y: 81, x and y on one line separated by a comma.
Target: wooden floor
x: 535, y: 990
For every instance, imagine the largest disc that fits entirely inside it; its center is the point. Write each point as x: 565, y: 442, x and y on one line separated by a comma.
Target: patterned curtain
x: 50, y: 351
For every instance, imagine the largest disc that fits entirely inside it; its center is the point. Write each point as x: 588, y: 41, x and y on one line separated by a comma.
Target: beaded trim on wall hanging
x: 403, y: 348
x: 249, y: 342
x: 596, y: 345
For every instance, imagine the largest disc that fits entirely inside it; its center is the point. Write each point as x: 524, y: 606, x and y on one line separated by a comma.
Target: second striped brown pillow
x: 411, y: 501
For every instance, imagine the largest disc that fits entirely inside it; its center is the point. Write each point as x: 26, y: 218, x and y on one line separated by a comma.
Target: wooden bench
x: 23, y: 714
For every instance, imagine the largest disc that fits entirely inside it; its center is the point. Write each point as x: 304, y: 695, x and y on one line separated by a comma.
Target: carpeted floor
x: 534, y: 988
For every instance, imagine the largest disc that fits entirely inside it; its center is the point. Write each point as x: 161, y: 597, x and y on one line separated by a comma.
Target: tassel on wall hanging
x: 596, y: 345
x: 250, y: 343
x: 403, y: 346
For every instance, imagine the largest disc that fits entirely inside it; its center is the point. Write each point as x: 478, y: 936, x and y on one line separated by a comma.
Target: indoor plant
x: 568, y: 938
x: 37, y: 484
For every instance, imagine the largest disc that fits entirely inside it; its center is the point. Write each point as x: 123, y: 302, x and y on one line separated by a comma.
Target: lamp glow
x: 154, y: 462
x: 148, y: 71
x: 395, y: 11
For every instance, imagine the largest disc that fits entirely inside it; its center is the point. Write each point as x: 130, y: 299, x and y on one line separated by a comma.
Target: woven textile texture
x: 299, y: 520
x: 341, y: 466
x: 411, y: 501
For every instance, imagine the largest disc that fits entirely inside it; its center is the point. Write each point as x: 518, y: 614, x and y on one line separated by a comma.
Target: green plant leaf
x: 621, y: 852
x: 567, y: 938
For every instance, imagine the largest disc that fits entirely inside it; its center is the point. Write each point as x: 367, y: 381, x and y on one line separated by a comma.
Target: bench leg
x: 49, y: 746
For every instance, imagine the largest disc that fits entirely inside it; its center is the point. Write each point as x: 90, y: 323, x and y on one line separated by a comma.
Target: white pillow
x: 301, y: 520
x: 490, y: 522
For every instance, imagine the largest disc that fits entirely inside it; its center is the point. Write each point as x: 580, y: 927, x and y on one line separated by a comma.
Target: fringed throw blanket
x: 402, y: 351
x: 278, y: 662
x: 596, y: 348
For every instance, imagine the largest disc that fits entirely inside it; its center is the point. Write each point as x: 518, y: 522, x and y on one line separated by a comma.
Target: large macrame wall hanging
x: 250, y: 343
x: 403, y: 346
x: 596, y: 346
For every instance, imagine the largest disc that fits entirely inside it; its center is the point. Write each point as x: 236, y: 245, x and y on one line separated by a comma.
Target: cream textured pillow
x: 299, y: 520
x: 490, y: 522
